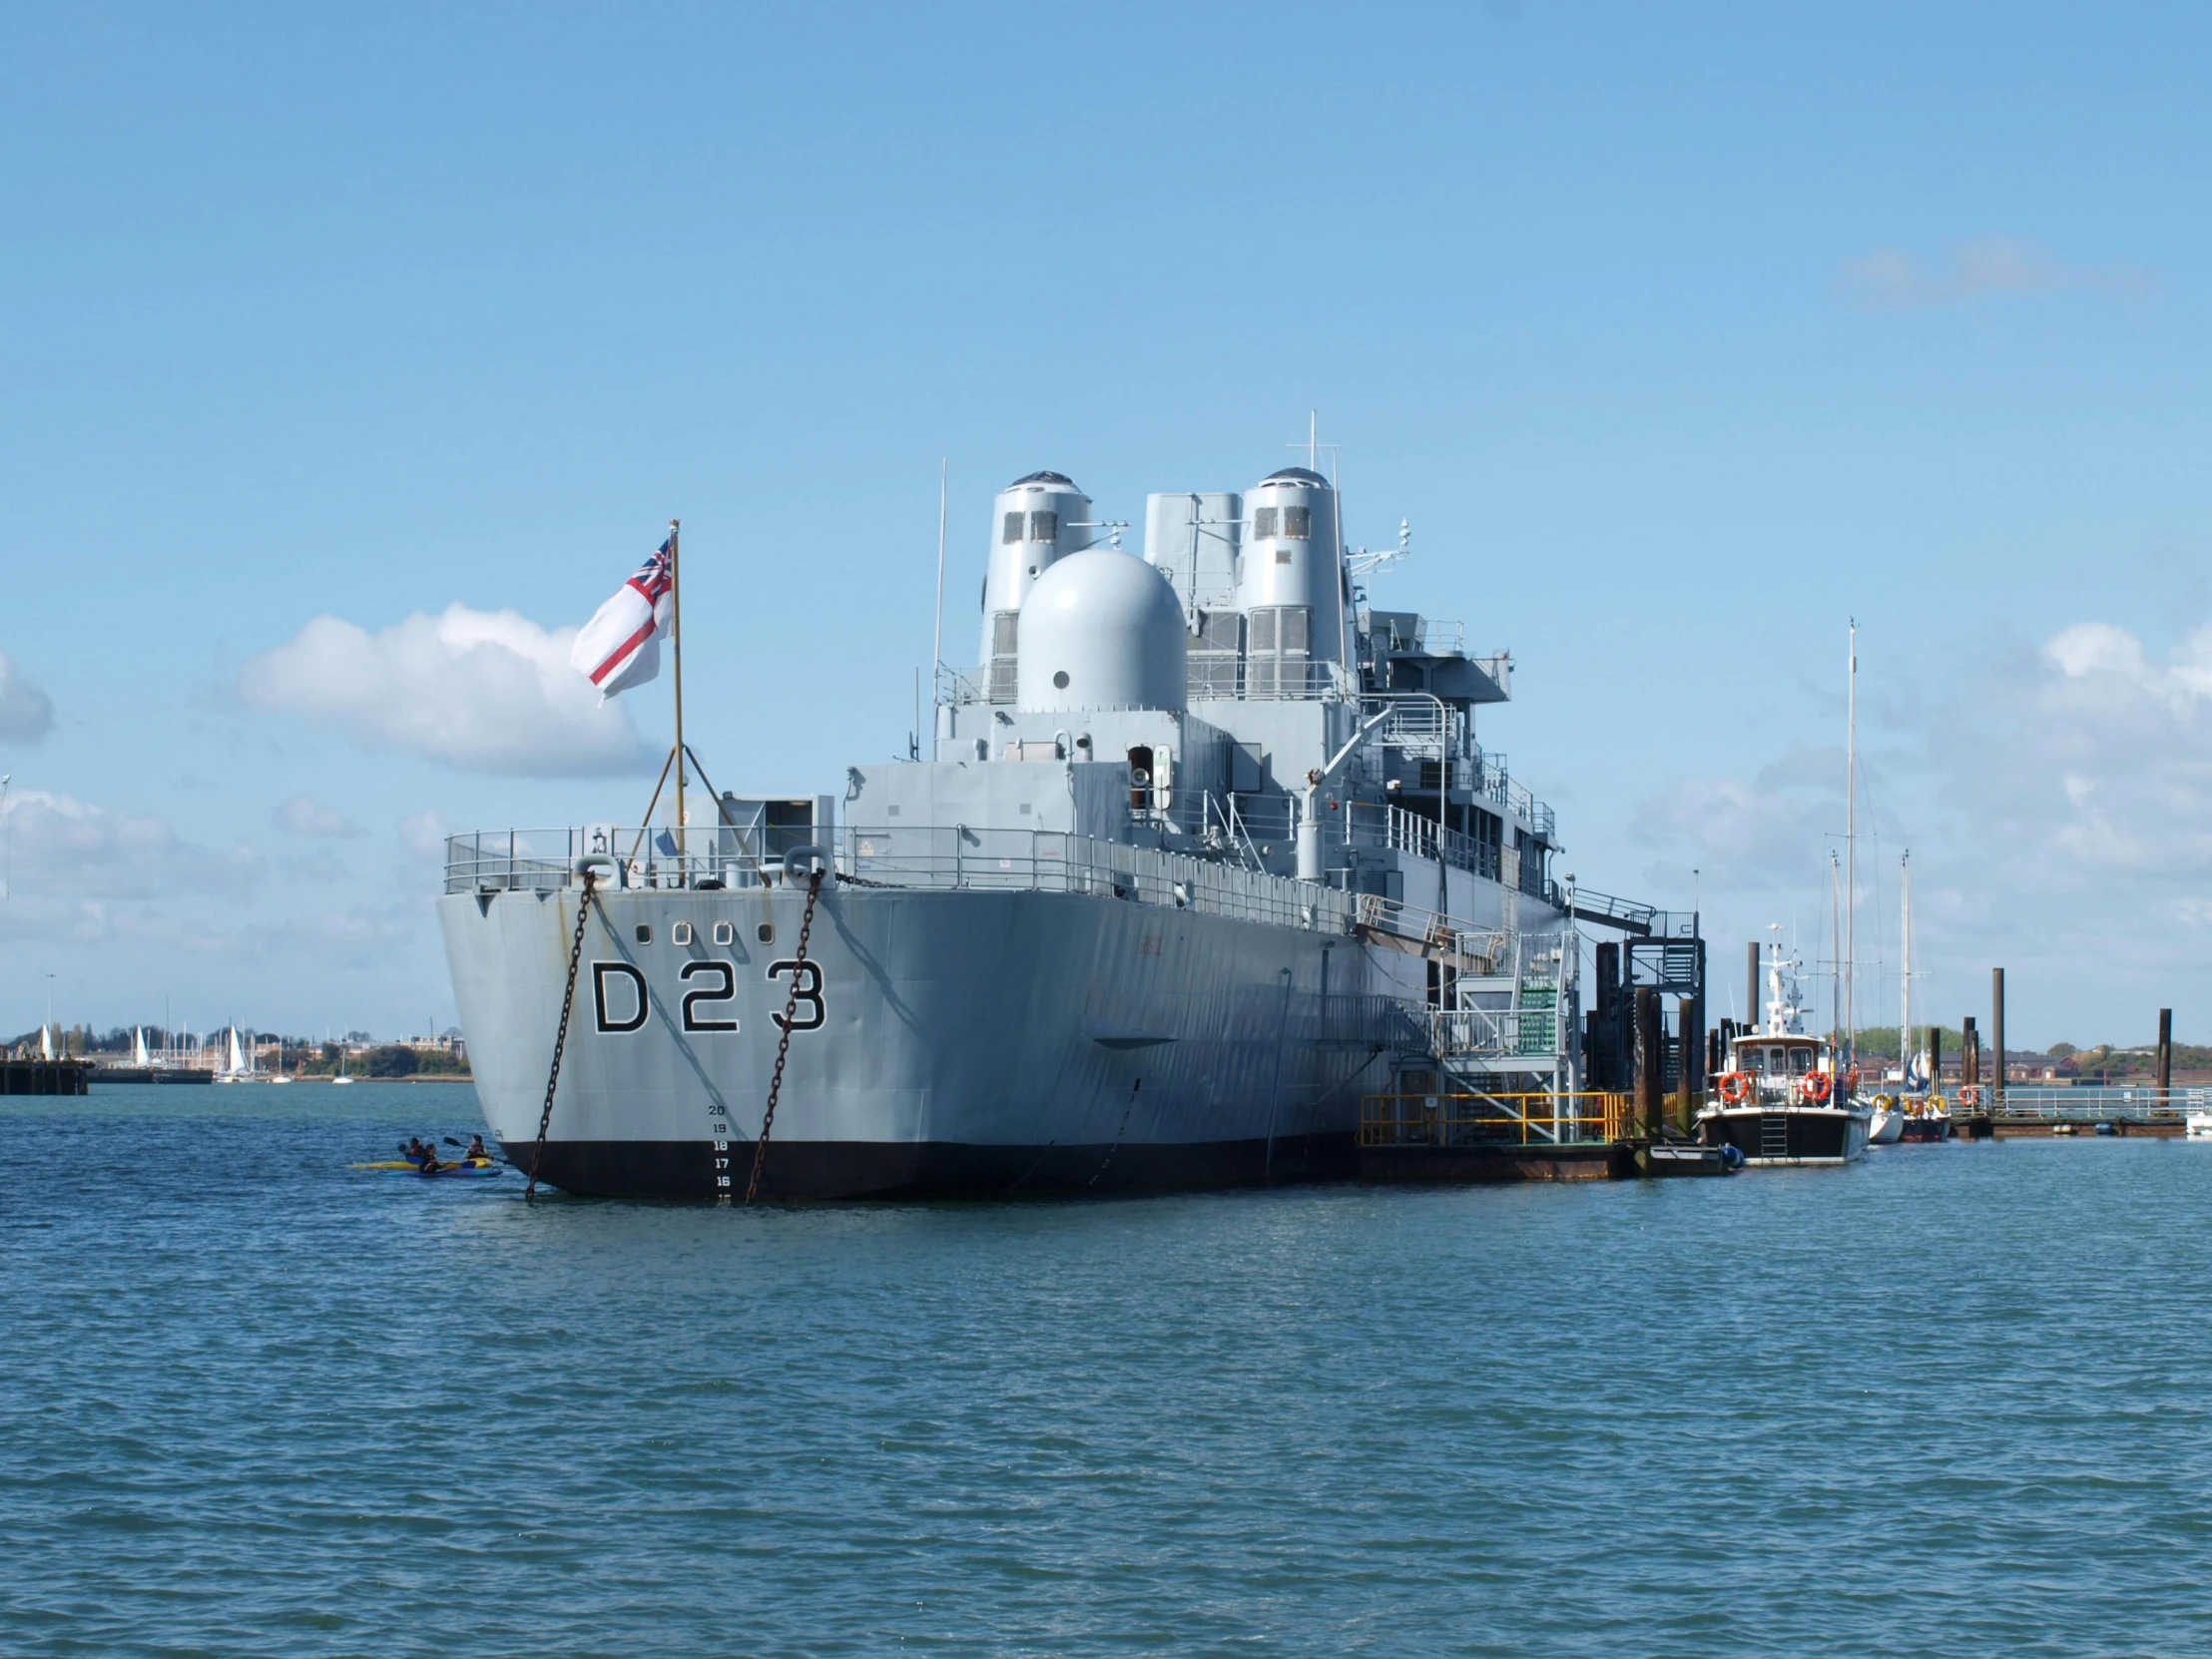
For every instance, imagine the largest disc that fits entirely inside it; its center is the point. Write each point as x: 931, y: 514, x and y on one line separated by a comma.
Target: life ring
x: 1815, y: 1086
x: 1735, y: 1088
x: 1970, y: 1095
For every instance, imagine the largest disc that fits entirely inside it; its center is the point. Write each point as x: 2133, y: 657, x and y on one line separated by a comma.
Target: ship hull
x: 941, y: 1044
x: 1789, y: 1134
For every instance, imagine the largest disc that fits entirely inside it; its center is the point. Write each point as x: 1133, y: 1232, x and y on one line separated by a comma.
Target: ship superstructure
x: 1205, y: 850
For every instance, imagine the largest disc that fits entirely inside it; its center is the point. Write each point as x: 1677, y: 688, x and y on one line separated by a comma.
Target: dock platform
x: 43, y: 1076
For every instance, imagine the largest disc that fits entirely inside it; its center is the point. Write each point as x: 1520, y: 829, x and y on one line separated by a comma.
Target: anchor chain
x: 560, y: 1039
x: 784, y: 1043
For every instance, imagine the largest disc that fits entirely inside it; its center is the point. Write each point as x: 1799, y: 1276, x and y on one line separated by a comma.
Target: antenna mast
x: 936, y: 638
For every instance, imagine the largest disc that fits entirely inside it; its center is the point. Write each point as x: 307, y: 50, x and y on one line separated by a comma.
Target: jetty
x: 43, y: 1076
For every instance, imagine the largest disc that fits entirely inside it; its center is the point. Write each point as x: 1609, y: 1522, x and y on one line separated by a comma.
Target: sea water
x: 1953, y: 1399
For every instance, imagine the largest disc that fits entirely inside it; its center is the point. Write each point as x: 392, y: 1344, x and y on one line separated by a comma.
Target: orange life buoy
x: 1814, y: 1087
x: 1735, y: 1088
x: 1970, y: 1095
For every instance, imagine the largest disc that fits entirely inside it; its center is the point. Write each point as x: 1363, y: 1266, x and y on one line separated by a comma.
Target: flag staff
x: 676, y: 641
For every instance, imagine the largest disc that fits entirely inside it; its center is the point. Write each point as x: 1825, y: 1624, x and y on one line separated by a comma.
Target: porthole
x: 1060, y: 680
x: 681, y: 933
x: 645, y: 932
x: 725, y: 933
x: 766, y: 932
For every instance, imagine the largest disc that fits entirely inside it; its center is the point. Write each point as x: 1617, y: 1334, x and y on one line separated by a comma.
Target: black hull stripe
x: 926, y: 1169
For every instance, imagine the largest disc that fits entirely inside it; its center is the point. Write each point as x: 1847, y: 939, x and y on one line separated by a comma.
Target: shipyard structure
x: 1205, y: 854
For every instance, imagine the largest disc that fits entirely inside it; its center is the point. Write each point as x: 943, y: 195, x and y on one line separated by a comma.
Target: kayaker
x: 416, y: 1152
x: 476, y: 1152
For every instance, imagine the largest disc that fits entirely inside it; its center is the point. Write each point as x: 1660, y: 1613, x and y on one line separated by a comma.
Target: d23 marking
x: 808, y: 1013
x: 602, y: 973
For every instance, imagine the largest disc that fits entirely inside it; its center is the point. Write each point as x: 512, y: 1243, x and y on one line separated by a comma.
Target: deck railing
x: 1446, y: 1119
x: 918, y: 858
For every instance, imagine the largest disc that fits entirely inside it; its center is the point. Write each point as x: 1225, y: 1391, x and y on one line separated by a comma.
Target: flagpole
x: 675, y: 640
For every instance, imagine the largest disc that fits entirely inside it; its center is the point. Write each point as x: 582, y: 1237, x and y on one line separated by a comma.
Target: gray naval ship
x: 1206, y: 856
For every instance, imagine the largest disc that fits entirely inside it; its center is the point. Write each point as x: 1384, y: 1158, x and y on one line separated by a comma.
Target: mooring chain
x: 784, y: 1043
x: 560, y: 1039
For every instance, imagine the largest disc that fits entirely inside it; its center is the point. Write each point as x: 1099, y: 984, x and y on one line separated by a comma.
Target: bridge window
x: 1298, y: 522
x: 1262, y: 523
x: 1011, y: 530
x: 1044, y: 526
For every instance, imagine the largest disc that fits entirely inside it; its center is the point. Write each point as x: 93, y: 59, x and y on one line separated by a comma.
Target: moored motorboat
x: 1784, y: 1097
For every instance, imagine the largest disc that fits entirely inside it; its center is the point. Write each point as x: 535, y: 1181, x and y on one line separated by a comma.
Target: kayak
x: 478, y: 1167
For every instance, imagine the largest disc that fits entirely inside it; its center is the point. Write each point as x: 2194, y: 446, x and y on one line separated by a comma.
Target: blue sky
x: 1678, y: 334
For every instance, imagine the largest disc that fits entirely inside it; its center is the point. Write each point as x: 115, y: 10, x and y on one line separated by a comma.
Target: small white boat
x: 1889, y: 1123
x: 2199, y: 1124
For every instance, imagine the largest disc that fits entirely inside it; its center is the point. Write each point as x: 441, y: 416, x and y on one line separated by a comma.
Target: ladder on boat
x: 1774, y: 1134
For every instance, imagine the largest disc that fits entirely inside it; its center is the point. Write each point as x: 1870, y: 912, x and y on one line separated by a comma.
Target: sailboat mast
x: 1904, y: 995
x: 1835, y: 949
x: 1851, y: 852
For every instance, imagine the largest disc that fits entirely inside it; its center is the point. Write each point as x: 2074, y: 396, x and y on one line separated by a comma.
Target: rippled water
x: 1950, y: 1400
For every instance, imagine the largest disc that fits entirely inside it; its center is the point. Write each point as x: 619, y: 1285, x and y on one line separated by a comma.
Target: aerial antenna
x: 936, y: 638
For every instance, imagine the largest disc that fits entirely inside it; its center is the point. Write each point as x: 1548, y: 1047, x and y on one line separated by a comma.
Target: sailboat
x: 1888, y: 1113
x: 1924, y: 1115
x: 280, y: 1075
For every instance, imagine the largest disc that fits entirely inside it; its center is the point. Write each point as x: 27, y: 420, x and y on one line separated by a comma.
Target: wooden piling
x: 1650, y: 1062
x: 1970, y: 1053
x: 2165, y: 1056
x: 1685, y: 1025
x: 1997, y: 1031
x: 1936, y: 1057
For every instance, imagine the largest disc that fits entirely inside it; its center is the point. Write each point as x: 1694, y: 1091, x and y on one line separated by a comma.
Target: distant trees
x: 392, y: 1060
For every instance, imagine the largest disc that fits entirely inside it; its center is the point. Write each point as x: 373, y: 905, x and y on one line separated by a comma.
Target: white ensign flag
x: 621, y: 646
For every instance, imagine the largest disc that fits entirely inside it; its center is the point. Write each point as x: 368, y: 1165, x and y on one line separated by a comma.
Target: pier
x: 43, y: 1076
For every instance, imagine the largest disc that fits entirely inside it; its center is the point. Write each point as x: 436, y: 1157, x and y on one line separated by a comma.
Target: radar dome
x: 1100, y: 630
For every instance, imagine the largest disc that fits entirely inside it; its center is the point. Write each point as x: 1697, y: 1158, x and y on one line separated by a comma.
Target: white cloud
x: 1765, y: 830
x: 62, y: 848
x: 26, y: 712
x: 305, y: 816
x: 1890, y: 279
x: 423, y: 834
x: 2104, y: 765
x: 486, y: 691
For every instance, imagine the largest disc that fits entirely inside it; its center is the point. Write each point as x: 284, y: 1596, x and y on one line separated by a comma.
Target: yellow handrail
x: 1431, y: 1119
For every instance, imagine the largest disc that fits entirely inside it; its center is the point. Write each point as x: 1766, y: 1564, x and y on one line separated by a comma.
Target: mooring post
x: 1685, y: 1025
x: 1996, y: 1033
x: 1970, y: 1053
x: 1650, y: 1061
x: 2165, y: 1056
x: 1935, y: 1058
